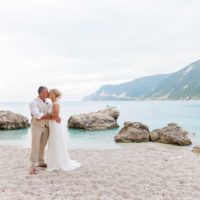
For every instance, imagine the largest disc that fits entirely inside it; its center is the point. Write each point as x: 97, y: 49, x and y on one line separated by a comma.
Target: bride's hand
x: 58, y: 120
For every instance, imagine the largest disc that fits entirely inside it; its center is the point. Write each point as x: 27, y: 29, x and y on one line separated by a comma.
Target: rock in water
x: 196, y: 149
x: 11, y: 121
x: 172, y: 134
x: 133, y: 132
x: 103, y: 119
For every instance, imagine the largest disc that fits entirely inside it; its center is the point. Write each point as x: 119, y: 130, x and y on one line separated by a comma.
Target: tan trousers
x: 39, y: 140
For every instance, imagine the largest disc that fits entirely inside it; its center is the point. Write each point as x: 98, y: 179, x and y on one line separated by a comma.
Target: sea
x: 155, y: 114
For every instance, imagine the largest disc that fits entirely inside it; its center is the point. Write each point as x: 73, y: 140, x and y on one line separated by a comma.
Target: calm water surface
x: 155, y: 114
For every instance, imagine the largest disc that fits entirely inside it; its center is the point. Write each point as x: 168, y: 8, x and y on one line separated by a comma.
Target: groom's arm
x: 35, y: 112
x: 46, y: 117
x: 51, y: 117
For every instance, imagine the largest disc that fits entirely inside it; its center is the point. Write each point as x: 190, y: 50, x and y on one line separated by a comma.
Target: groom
x: 39, y: 129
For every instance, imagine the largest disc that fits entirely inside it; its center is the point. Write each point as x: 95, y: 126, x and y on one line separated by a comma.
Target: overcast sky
x: 79, y: 45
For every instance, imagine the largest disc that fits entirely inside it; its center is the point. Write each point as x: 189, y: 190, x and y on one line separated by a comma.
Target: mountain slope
x: 183, y: 84
x: 138, y: 88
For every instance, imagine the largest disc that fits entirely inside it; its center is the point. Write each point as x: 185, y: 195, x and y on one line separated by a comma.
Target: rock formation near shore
x: 138, y: 132
x: 103, y: 119
x: 196, y: 149
x: 172, y: 134
x: 12, y: 121
x: 133, y: 132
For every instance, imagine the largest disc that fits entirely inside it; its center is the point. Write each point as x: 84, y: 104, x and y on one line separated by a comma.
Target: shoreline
x: 118, y: 146
x: 138, y: 171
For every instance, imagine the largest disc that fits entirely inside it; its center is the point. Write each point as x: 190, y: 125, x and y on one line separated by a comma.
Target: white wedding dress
x: 57, y: 154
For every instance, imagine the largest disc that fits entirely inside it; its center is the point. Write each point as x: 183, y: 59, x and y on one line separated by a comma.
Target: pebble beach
x: 141, y: 171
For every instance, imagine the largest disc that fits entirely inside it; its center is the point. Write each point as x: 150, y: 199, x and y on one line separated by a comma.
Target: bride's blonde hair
x: 56, y: 92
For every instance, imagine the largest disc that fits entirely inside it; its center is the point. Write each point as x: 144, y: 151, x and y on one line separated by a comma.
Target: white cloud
x: 77, y: 46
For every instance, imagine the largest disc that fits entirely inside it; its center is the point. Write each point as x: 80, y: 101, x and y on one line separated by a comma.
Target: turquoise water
x: 155, y: 114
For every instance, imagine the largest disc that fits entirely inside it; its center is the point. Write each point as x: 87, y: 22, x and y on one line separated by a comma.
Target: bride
x: 57, y: 154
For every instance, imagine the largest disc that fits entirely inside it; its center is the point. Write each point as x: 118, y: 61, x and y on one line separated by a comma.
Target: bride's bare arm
x: 55, y: 112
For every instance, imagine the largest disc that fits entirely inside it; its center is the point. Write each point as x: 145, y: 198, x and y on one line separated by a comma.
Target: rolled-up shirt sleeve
x: 35, y: 110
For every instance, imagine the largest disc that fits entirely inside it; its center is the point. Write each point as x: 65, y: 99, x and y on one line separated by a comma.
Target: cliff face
x: 183, y: 84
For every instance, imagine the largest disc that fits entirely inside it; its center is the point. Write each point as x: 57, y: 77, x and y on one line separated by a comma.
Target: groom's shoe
x: 43, y: 165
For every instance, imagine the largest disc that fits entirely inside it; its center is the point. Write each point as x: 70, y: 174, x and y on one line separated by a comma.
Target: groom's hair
x: 42, y: 88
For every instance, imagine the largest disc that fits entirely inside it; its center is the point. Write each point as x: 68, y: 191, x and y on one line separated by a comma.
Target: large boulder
x: 11, y: 121
x: 172, y: 134
x: 103, y: 119
x: 133, y: 132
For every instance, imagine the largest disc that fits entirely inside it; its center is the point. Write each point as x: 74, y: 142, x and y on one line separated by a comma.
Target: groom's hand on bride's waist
x: 50, y: 117
x: 45, y: 117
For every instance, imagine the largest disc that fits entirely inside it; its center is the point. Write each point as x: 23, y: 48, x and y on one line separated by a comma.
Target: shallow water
x: 155, y: 114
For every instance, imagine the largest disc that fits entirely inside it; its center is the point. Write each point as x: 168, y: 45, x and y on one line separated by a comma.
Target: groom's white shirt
x: 38, y: 108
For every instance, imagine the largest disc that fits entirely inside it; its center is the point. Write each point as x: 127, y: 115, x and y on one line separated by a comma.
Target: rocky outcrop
x: 103, y: 119
x: 196, y: 149
x: 172, y: 134
x: 11, y: 121
x: 138, y: 132
x: 133, y: 132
